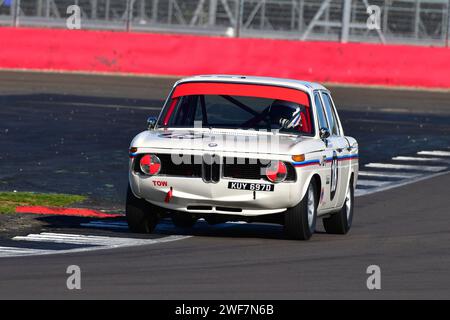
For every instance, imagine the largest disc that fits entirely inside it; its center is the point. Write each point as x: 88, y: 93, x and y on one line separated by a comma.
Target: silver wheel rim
x: 311, y: 206
x: 348, y: 203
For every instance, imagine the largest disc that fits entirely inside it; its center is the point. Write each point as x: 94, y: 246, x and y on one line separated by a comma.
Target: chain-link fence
x: 423, y: 22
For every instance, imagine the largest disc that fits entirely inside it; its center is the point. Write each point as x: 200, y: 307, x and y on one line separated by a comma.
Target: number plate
x: 251, y: 186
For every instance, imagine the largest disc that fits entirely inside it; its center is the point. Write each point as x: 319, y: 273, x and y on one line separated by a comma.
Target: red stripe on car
x: 246, y: 90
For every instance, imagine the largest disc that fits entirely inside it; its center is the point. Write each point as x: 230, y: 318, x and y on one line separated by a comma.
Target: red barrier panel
x: 163, y: 54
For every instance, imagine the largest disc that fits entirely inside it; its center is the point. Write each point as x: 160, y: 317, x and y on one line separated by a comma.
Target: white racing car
x: 227, y: 148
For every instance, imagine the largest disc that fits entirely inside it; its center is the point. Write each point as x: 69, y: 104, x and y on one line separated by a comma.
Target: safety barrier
x: 179, y: 55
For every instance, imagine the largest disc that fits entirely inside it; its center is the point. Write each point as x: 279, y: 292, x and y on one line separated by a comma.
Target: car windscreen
x: 236, y: 112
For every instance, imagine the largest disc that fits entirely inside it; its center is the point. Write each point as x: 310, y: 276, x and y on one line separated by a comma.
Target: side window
x: 331, y: 116
x: 183, y: 111
x: 320, y: 114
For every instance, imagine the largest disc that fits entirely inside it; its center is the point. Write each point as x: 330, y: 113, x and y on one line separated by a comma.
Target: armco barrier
x: 164, y: 54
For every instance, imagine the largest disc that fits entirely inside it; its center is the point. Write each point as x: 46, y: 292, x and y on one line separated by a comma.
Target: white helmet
x: 286, y: 114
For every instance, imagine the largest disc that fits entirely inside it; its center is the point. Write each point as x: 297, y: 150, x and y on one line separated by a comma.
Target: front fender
x: 306, y: 178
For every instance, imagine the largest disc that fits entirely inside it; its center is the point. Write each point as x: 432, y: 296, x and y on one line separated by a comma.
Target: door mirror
x: 151, y: 123
x: 324, y: 133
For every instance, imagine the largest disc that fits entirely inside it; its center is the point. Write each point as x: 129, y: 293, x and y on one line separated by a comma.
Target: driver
x: 286, y: 114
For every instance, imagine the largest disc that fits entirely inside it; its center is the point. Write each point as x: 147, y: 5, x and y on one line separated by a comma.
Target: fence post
x: 212, y: 14
x: 346, y: 15
x: 448, y: 25
x: 239, y: 11
x: 47, y: 9
x: 155, y: 11
x: 129, y: 14
x: 16, y: 13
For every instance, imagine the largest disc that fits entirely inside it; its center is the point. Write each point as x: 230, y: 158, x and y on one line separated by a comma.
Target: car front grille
x: 172, y: 166
x: 211, y: 171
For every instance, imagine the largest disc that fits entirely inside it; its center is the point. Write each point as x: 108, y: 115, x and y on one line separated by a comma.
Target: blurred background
x: 418, y: 22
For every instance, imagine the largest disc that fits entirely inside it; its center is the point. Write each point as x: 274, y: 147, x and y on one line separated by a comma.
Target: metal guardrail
x: 422, y: 22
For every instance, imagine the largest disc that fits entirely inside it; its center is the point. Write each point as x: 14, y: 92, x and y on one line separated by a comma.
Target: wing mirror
x: 151, y: 123
x: 324, y: 133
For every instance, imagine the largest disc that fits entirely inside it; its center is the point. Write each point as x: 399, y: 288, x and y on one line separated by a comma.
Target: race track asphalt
x: 405, y: 231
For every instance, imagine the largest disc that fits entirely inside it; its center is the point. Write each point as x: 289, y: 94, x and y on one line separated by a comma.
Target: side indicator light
x: 298, y: 157
x: 132, y: 151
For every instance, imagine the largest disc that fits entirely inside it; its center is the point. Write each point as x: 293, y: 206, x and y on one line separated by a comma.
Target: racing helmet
x: 285, y: 114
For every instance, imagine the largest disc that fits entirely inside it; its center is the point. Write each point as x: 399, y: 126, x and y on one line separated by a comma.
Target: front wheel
x: 341, y: 222
x: 142, y: 217
x: 300, y: 221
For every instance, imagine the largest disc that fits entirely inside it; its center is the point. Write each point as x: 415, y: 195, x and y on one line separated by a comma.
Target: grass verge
x: 10, y: 200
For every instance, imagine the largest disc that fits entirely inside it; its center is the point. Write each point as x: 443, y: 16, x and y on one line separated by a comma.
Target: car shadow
x: 228, y: 229
x: 118, y: 227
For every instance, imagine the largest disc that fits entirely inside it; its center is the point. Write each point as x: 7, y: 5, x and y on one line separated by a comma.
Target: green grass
x: 10, y: 200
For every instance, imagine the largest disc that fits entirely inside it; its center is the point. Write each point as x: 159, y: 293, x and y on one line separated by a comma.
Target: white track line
x: 364, y: 192
x: 98, y: 243
x: 12, y: 251
x: 421, y: 159
x: 405, y: 167
x: 372, y: 183
x: 434, y: 153
x: 85, y: 240
x: 360, y: 192
x: 403, y: 175
x: 407, y: 177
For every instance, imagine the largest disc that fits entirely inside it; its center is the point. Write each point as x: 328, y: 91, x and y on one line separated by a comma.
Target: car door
x: 325, y: 199
x: 339, y: 169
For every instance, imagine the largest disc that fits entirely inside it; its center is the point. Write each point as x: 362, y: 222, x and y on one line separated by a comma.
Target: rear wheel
x: 183, y: 220
x: 142, y: 217
x: 300, y: 221
x: 341, y: 222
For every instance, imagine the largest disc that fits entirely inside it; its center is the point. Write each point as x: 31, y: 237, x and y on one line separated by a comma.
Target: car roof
x: 297, y: 84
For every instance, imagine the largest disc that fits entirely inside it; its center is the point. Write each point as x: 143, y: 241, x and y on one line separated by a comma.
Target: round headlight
x: 150, y: 164
x: 276, y: 171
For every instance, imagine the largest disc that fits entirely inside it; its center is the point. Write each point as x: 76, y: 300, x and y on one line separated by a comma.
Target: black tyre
x: 341, y: 222
x: 142, y: 217
x: 300, y: 221
x: 183, y: 220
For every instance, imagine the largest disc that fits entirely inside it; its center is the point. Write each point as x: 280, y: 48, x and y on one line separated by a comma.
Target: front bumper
x: 195, y: 196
